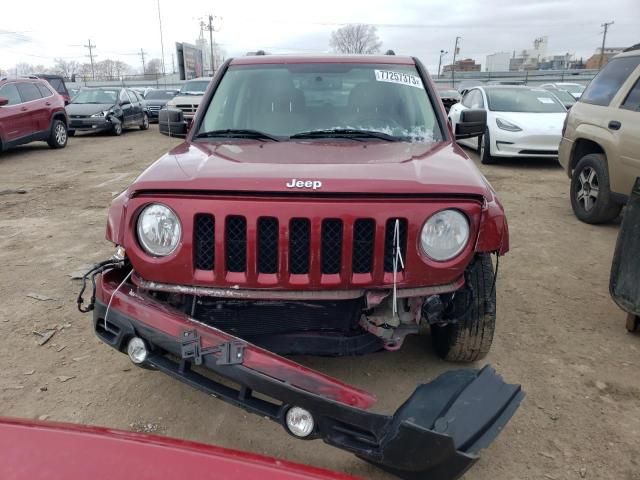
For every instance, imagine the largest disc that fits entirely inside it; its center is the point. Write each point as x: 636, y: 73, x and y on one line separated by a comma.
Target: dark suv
x: 30, y: 110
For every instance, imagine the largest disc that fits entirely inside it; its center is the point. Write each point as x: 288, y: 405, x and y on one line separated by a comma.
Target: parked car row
x: 597, y: 142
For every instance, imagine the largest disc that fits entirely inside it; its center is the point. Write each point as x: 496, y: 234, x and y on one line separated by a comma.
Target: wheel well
x: 584, y: 147
x: 59, y: 116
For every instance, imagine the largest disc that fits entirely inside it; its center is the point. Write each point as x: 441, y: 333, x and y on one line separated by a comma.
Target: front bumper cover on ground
x: 436, y: 434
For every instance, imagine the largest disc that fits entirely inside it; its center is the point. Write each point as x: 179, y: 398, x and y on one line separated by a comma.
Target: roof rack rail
x: 632, y: 48
x: 32, y: 77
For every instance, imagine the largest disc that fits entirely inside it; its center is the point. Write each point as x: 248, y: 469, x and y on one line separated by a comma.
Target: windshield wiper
x: 238, y: 133
x: 352, y: 133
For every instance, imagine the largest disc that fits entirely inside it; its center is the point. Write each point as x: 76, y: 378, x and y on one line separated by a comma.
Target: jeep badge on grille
x: 315, y: 184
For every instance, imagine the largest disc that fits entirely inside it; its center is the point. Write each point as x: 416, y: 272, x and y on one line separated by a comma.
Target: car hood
x: 535, y: 122
x: 188, y: 99
x: 339, y: 167
x: 87, y: 108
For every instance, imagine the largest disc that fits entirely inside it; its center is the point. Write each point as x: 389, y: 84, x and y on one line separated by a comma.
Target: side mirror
x: 472, y: 123
x: 4, y: 101
x: 125, y: 102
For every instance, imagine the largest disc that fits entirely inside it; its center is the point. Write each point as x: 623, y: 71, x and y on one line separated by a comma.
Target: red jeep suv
x: 319, y: 205
x: 31, y: 110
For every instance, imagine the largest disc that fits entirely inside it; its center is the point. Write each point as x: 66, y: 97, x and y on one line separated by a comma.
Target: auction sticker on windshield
x: 398, y: 77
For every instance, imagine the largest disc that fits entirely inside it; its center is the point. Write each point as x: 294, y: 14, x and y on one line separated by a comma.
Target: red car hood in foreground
x: 54, y: 451
x: 344, y: 166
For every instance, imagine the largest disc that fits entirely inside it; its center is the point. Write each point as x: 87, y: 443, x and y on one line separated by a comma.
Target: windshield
x: 530, y: 100
x: 571, y: 87
x: 160, y: 95
x: 194, y: 87
x: 96, y: 96
x: 449, y: 93
x: 285, y: 100
x: 563, y: 95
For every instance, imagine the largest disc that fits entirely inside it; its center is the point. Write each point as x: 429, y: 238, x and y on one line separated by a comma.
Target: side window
x: 632, y: 102
x: 466, y: 100
x: 123, y: 96
x: 606, y: 84
x: 10, y: 92
x: 44, y: 91
x: 28, y: 91
x: 476, y: 99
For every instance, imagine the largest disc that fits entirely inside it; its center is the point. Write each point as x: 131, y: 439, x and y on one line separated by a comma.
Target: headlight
x: 103, y: 113
x: 445, y: 235
x: 505, y: 125
x: 159, y: 230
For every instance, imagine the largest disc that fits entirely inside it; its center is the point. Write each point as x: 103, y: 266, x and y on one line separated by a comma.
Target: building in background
x: 530, y: 59
x: 466, y: 65
x: 497, y: 62
x: 190, y: 61
x: 593, y: 62
x: 556, y: 62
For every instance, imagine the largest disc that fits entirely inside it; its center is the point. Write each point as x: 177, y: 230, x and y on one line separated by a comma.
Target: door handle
x: 24, y: 109
x: 47, y: 103
x: 614, y: 125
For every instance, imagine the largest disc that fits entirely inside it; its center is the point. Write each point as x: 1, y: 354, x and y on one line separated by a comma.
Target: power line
x: 606, y: 26
x: 91, y: 55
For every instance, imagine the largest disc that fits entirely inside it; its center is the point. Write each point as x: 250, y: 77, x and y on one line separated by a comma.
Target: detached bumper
x: 435, y: 434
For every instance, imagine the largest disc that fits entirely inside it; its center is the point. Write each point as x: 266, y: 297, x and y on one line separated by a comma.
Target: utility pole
x: 164, y: 73
x: 211, y: 29
x: 144, y: 70
x: 606, y: 26
x: 453, y: 65
x: 91, y: 55
x: 442, y: 53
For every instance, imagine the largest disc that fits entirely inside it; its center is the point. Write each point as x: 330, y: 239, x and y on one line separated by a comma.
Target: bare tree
x: 358, y: 39
x: 24, y: 68
x: 154, y: 66
x: 66, y: 68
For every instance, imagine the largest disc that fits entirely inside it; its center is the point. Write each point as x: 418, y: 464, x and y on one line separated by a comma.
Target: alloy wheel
x: 587, y: 194
x: 61, y: 134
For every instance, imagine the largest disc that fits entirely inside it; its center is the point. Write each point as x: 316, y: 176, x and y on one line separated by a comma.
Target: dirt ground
x: 558, y: 334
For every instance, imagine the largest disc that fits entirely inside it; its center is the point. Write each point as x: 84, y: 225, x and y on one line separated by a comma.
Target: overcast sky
x: 38, y: 31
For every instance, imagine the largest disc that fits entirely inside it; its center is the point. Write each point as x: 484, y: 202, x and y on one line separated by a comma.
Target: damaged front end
x: 436, y: 434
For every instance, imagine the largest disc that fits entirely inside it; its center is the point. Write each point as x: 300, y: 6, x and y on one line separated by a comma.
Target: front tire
x: 484, y: 148
x: 117, y: 129
x: 58, y: 137
x: 145, y: 122
x: 470, y: 338
x: 590, y: 192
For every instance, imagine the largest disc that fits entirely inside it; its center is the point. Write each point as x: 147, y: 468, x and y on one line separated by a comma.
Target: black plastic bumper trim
x: 435, y: 434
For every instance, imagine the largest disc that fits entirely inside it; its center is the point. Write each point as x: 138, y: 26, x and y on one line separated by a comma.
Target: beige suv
x: 600, y: 147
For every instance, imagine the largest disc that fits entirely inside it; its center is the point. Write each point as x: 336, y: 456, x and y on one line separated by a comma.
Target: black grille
x: 363, y: 236
x: 331, y: 250
x: 268, y: 245
x: 236, y: 244
x: 299, y: 248
x: 389, y: 250
x: 251, y: 318
x: 204, y: 233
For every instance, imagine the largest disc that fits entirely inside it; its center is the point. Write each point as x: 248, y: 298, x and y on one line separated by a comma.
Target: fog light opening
x: 299, y: 422
x: 137, y: 350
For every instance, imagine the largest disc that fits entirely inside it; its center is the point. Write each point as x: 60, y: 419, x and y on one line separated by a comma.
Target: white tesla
x: 521, y: 121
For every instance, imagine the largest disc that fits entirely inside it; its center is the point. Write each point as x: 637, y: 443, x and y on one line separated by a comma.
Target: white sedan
x: 521, y: 121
